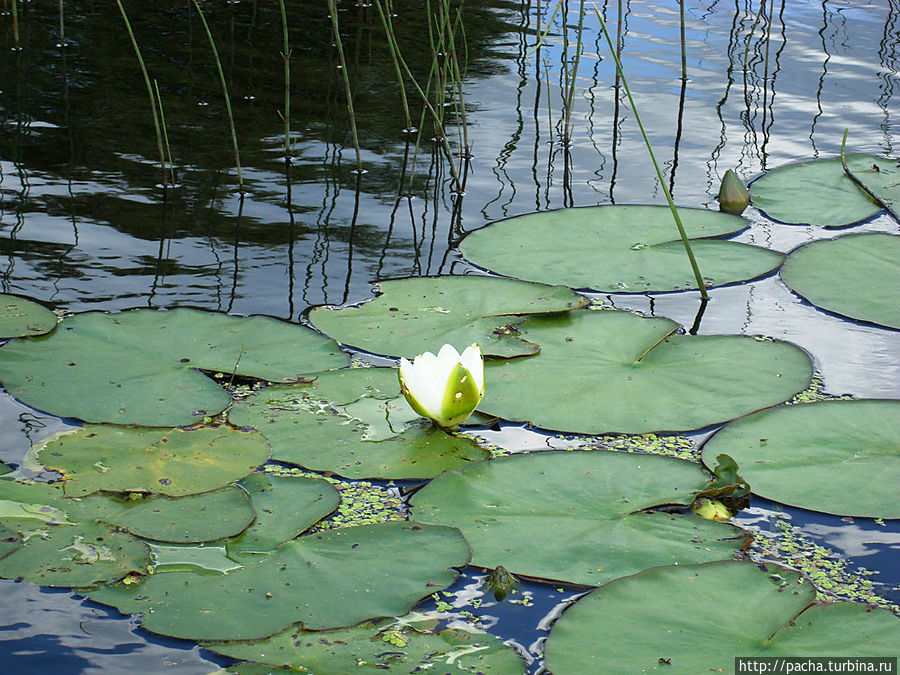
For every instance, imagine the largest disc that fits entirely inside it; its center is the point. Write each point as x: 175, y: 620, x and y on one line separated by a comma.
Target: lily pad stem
x: 684, y: 238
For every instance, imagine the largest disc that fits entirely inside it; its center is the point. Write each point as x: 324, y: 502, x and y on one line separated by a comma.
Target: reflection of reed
x: 889, y: 58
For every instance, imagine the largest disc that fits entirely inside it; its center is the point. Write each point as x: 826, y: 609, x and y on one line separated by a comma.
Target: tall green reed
x: 150, y: 94
x: 215, y: 52
x: 445, y: 70
x: 286, y: 55
x: 336, y: 29
x: 701, y: 285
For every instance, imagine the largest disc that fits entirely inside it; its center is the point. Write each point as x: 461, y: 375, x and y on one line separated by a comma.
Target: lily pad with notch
x: 856, y: 275
x: 327, y: 580
x: 173, y: 462
x: 61, y: 544
x: 285, y: 507
x: 194, y: 518
x: 696, y: 618
x: 20, y: 317
x: 143, y: 366
x: 619, y: 248
x: 817, y: 192
x: 579, y: 517
x: 612, y: 371
x: 354, y: 423
x: 412, y: 316
x: 836, y: 457
x: 406, y: 644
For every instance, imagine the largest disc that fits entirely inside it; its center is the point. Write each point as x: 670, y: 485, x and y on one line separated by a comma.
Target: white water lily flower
x: 445, y: 388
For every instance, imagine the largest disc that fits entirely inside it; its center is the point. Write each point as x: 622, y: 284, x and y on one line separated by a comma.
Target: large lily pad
x: 354, y: 423
x: 195, y: 518
x: 817, y: 192
x: 172, y: 462
x: 576, y: 516
x: 857, y: 275
x: 613, y: 371
x: 285, y: 507
x: 618, y: 249
x: 329, y: 580
x: 409, y: 644
x: 141, y: 366
x: 834, y: 456
x: 10, y: 540
x: 880, y: 177
x: 696, y: 619
x: 61, y: 544
x: 412, y: 316
x: 20, y: 317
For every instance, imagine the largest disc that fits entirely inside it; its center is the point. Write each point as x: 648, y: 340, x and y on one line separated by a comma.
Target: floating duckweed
x: 816, y: 392
x: 680, y: 447
x: 362, y: 503
x: 828, y: 572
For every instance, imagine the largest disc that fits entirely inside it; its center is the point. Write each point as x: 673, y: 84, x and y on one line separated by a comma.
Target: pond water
x: 86, y: 225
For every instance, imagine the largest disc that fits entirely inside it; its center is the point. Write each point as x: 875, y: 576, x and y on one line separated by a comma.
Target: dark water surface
x: 84, y: 223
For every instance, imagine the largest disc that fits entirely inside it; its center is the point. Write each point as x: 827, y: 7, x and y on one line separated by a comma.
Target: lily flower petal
x: 445, y: 388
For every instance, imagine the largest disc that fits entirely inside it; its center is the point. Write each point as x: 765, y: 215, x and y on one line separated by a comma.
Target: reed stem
x: 684, y: 238
x: 140, y: 58
x: 162, y: 121
x: 286, y: 55
x: 332, y: 10
x: 215, y: 52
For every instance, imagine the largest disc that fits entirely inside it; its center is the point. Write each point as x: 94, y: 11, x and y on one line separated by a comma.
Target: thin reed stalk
x: 156, y: 126
x: 15, y: 20
x: 286, y: 55
x: 424, y: 94
x: 62, y: 26
x: 332, y: 10
x: 684, y: 238
x: 388, y: 27
x: 162, y: 121
x: 683, y: 41
x: 572, y: 74
x: 215, y: 52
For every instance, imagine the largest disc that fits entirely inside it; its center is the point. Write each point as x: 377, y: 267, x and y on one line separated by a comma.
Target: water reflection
x: 84, y: 225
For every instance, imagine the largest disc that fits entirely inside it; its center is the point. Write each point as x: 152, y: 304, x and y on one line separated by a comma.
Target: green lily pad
x: 880, y: 177
x: 10, y: 540
x: 817, y: 192
x: 832, y: 456
x: 857, y: 276
x: 173, y: 462
x: 329, y: 580
x: 206, y: 517
x: 613, y: 371
x: 355, y: 423
x: 141, y: 366
x: 576, y: 516
x: 412, y: 316
x: 58, y: 544
x: 618, y: 249
x: 693, y: 619
x: 61, y: 544
x: 409, y: 644
x: 20, y: 317
x: 82, y: 555
x: 284, y: 507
